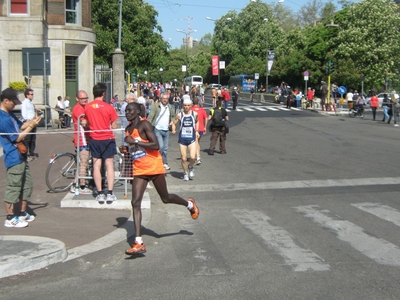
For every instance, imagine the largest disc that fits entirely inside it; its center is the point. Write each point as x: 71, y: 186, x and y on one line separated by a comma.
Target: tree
x: 311, y: 12
x: 369, y: 36
x: 143, y: 46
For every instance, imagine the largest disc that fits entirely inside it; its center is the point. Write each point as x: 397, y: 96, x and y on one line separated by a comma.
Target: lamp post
x: 220, y: 39
x: 187, y: 47
x: 267, y: 73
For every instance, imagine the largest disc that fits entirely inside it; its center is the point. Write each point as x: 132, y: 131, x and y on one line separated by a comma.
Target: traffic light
x: 330, y: 67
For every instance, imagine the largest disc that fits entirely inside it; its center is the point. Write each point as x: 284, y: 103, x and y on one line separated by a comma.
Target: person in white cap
x: 188, y: 134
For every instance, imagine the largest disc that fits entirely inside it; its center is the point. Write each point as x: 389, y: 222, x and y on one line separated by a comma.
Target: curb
x: 37, y: 253
x: 87, y: 201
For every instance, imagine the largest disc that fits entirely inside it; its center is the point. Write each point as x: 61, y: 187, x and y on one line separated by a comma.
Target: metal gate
x: 104, y: 74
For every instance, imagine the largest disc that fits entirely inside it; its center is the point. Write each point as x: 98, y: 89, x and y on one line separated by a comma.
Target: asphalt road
x: 303, y: 206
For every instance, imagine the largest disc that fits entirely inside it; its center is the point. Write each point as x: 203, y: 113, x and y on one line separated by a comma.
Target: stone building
x: 62, y: 25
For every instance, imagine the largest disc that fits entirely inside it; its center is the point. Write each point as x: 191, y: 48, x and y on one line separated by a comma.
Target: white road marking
x: 377, y: 249
x: 248, y: 109
x: 261, y: 108
x: 286, y: 184
x: 280, y: 241
x: 381, y: 211
x: 273, y: 108
x: 283, y: 108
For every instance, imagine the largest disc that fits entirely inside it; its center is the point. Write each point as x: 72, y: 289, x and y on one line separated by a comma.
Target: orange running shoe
x: 136, y: 249
x: 195, y: 210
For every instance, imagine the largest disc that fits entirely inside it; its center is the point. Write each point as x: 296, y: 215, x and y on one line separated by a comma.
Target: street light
x: 187, y: 47
x: 220, y: 38
x: 267, y: 73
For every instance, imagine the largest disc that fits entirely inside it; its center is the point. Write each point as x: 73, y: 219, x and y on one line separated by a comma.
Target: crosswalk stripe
x: 280, y: 241
x: 381, y: 211
x: 273, y: 108
x: 261, y: 108
x: 283, y: 108
x: 248, y: 109
x: 376, y: 249
x: 295, y: 108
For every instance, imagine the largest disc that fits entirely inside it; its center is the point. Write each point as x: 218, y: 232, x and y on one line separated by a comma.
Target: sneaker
x: 30, y: 158
x: 101, y: 198
x: 149, y: 186
x: 195, y: 210
x: 198, y: 161
x: 136, y: 249
x: 166, y: 167
x: 111, y: 198
x: 186, y: 177
x: 15, y: 222
x: 72, y: 189
x: 27, y: 217
x: 396, y: 125
x: 191, y: 173
x: 85, y: 191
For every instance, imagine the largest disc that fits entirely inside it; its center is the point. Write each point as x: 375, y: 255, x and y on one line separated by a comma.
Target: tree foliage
x: 369, y: 36
x: 140, y: 39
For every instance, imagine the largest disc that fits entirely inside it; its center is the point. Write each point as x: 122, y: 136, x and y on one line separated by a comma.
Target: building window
x: 73, y: 10
x: 70, y: 67
x: 18, y: 6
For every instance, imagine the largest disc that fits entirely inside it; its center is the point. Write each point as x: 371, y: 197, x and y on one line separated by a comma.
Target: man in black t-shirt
x: 218, y: 116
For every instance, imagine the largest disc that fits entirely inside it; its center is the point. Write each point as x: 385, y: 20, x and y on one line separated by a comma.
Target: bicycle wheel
x: 61, y: 172
x: 352, y: 113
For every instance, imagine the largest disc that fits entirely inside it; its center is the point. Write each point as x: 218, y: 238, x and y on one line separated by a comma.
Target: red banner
x: 215, y: 63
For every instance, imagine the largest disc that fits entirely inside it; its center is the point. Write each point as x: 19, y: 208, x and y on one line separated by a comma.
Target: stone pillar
x: 118, y: 87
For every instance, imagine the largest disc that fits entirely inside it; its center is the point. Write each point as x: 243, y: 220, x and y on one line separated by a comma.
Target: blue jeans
x: 163, y: 139
x: 386, y: 113
x: 226, y: 104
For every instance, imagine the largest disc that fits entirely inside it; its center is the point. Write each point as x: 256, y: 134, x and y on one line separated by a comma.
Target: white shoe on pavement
x: 186, y: 177
x: 166, y: 167
x: 15, y: 222
x: 191, y: 173
x: 101, y: 198
x: 111, y: 198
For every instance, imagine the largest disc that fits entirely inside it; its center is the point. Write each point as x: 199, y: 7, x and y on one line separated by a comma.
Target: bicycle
x: 358, y: 111
x: 62, y: 169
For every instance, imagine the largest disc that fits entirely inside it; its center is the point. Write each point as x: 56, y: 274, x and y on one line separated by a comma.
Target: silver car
x: 380, y: 97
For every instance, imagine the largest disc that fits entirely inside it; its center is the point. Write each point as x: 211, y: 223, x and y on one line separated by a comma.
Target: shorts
x: 19, y: 183
x: 103, y: 148
x: 148, y: 178
x: 201, y: 133
x: 83, y: 148
x: 186, y: 142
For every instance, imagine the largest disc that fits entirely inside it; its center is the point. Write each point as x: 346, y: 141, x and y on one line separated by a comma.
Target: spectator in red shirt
x: 203, y: 119
x: 102, y: 118
x: 226, y: 97
x: 310, y: 96
x: 81, y: 123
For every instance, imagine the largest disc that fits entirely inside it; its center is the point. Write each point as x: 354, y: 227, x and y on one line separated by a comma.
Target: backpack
x: 217, y: 120
x: 355, y: 97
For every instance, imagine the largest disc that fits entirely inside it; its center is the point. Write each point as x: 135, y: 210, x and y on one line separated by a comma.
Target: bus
x: 193, y: 80
x: 243, y: 81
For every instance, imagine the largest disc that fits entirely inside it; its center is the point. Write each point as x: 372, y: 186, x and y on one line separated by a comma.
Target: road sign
x: 306, y: 73
x: 256, y: 76
x: 305, y: 77
x: 342, y: 90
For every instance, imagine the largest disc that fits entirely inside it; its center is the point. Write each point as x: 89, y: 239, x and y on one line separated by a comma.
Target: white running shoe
x: 186, y: 177
x: 85, y: 191
x: 166, y: 167
x: 72, y: 189
x: 101, y: 198
x: 15, y: 222
x: 27, y: 217
x: 111, y: 198
x: 198, y: 161
x: 191, y: 173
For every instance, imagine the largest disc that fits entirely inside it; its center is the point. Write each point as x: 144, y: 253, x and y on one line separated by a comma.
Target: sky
x: 180, y: 14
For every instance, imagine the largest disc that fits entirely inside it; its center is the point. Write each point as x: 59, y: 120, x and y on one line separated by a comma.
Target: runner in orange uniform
x: 147, y: 165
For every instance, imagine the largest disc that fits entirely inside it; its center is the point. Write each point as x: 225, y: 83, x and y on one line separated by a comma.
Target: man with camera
x: 19, y: 180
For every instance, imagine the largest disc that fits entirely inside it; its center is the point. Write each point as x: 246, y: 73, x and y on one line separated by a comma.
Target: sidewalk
x: 64, y: 227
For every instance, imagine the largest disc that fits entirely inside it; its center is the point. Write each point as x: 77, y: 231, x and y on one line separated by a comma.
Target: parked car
x: 274, y: 90
x: 214, y: 85
x: 380, y: 97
